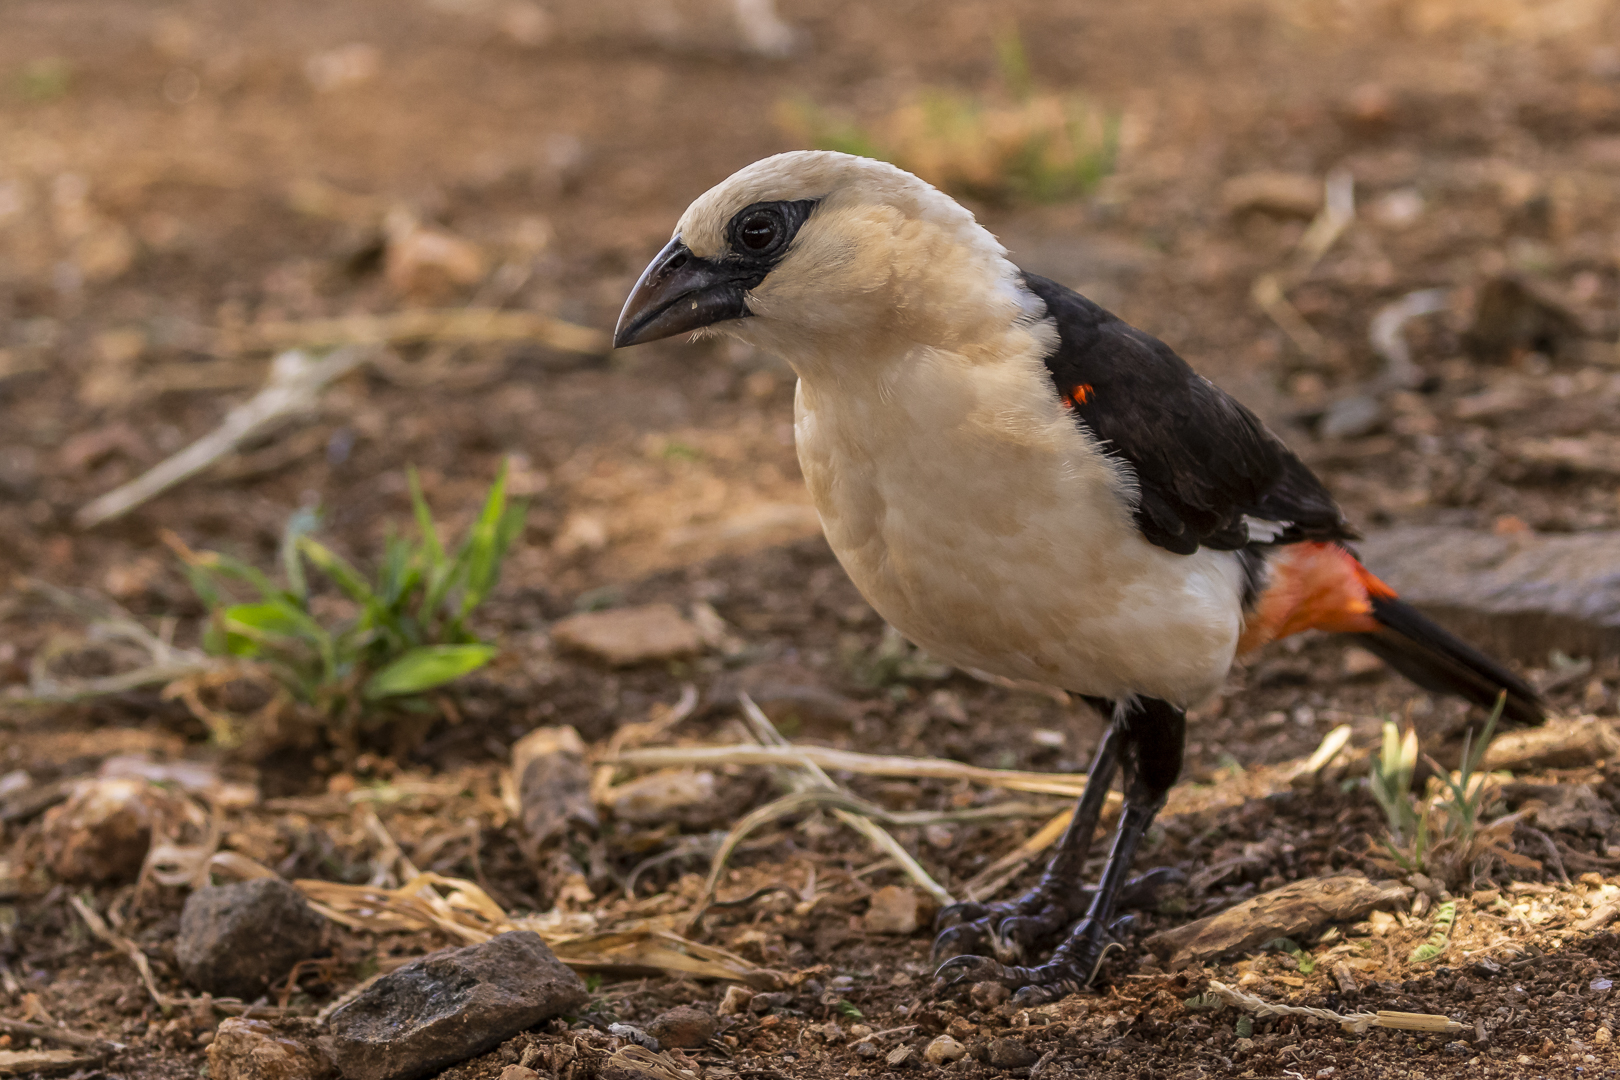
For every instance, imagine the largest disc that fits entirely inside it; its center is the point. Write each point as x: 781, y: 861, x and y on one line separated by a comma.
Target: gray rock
x: 448, y: 1006
x: 235, y: 940
x: 1517, y: 595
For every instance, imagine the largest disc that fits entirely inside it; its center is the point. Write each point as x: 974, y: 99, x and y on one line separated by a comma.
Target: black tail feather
x: 1437, y: 660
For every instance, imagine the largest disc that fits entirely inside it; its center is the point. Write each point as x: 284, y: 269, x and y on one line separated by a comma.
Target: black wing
x: 1203, y: 462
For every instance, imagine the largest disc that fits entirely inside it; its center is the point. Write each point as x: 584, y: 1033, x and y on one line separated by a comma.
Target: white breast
x: 976, y: 517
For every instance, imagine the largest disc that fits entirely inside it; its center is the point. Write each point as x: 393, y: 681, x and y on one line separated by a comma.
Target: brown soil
x: 187, y: 175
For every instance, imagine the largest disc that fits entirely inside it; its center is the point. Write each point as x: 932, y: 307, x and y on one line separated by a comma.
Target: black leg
x: 1148, y: 741
x: 1012, y: 926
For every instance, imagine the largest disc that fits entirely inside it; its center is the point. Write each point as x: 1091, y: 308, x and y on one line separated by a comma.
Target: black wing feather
x: 1202, y: 461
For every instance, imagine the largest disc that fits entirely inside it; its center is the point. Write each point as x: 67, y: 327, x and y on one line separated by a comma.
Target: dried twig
x: 295, y: 384
x: 99, y: 928
x: 107, y: 620
x: 1270, y: 290
x: 60, y: 1035
x: 1355, y: 1023
x: 766, y: 731
x: 822, y: 757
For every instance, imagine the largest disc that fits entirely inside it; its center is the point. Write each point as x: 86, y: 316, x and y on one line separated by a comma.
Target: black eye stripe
x: 762, y: 232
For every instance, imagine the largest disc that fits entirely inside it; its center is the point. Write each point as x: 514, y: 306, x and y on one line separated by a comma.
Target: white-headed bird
x: 1024, y: 484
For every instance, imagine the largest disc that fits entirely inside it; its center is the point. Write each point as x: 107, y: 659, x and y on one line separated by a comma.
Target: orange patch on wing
x: 1082, y: 393
x: 1314, y: 586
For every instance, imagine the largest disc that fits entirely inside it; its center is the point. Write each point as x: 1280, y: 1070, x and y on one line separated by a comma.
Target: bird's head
x: 815, y: 251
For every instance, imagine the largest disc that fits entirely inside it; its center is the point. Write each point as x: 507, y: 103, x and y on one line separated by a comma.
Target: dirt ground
x: 170, y: 171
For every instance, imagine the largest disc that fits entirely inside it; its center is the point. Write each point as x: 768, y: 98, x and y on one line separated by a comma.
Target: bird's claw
x: 1072, y: 967
x: 1008, y: 929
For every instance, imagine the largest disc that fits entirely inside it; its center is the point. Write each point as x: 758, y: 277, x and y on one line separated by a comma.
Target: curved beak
x: 679, y: 292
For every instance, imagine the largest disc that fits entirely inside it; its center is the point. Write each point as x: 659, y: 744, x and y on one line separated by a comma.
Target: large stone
x: 448, y: 1006
x: 626, y: 636
x: 1517, y: 595
x: 256, y: 1050
x: 235, y: 940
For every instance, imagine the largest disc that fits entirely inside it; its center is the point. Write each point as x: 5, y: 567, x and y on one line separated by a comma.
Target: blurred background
x: 1389, y: 227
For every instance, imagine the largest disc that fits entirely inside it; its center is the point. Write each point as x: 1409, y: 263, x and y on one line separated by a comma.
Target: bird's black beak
x: 679, y: 292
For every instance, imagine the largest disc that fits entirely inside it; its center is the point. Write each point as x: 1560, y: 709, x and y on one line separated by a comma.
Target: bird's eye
x: 760, y: 231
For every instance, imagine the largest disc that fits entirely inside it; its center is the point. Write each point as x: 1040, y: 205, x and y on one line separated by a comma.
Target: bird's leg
x: 1011, y: 926
x: 1148, y: 741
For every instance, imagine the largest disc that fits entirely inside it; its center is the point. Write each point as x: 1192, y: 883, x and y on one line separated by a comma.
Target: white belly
x: 974, y: 515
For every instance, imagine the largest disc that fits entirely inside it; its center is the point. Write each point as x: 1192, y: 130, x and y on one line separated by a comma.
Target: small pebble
x: 986, y: 996
x: 767, y: 1002
x: 685, y: 1026
x: 519, y: 1072
x: 943, y: 1050
x: 1009, y: 1054
x: 736, y: 1000
x: 866, y: 1048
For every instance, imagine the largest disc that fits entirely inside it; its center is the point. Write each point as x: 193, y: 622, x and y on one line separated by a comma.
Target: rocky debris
x: 664, y: 796
x: 1294, y: 910
x: 1514, y: 315
x: 1516, y: 594
x: 102, y: 832
x: 1009, y: 1054
x: 1276, y: 193
x: 867, y: 1048
x: 986, y: 996
x: 624, y: 637
x: 554, y: 785
x: 894, y: 909
x: 901, y: 1057
x: 235, y: 940
x: 426, y: 263
x: 764, y: 1003
x: 519, y: 1072
x: 736, y: 1000
x: 943, y: 1050
x: 450, y: 1005
x: 256, y: 1050
x: 788, y: 692
x: 684, y: 1027
x: 1592, y: 453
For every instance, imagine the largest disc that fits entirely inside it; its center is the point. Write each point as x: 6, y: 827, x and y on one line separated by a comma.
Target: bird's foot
x: 1009, y: 929
x: 1072, y: 966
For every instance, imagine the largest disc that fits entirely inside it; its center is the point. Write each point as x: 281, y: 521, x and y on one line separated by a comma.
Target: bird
x: 1024, y: 484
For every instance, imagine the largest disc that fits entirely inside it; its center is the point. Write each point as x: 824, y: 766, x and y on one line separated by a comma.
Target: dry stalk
x: 295, y: 385
x: 1270, y: 289
x: 109, y: 621
x: 102, y: 1047
x: 766, y: 732
x: 1355, y: 1023
x: 822, y: 757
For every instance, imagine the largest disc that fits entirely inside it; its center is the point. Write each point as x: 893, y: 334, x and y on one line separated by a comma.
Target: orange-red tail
x: 1322, y: 586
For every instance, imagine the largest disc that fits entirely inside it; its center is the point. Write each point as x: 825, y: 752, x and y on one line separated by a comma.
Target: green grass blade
x: 300, y: 524
x: 424, y: 517
x: 343, y: 574
x: 426, y: 667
